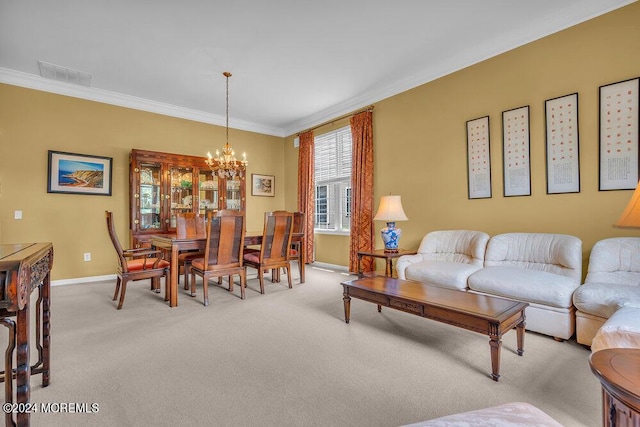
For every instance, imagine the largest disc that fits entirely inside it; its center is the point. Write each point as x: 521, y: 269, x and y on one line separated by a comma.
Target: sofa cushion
x: 622, y: 330
x: 604, y: 299
x: 540, y: 287
x: 461, y: 246
x: 445, y: 274
x: 553, y: 253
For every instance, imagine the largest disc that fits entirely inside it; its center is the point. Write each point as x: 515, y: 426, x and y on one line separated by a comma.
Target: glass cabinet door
x: 149, y: 197
x: 234, y: 195
x: 180, y: 192
x: 208, y: 192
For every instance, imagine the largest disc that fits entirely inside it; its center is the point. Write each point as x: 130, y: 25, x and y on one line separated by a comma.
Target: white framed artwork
x: 516, y: 152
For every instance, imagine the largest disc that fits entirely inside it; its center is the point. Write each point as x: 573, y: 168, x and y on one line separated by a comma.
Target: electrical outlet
x: 17, y: 214
x: 87, y: 256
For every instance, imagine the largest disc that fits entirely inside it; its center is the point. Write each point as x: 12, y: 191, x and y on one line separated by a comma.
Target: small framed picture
x: 79, y: 174
x: 263, y: 185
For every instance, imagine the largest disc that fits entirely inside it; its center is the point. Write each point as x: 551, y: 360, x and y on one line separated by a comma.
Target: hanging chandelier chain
x: 225, y: 164
x: 227, y: 75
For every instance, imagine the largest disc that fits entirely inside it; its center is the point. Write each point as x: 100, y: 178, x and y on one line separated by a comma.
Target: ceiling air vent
x: 56, y: 72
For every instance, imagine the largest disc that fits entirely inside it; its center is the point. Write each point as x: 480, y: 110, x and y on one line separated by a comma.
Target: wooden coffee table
x: 487, y: 315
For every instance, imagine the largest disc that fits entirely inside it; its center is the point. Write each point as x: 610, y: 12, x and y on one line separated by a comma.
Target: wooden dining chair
x: 136, y: 264
x: 223, y: 252
x: 189, y: 225
x: 274, y: 250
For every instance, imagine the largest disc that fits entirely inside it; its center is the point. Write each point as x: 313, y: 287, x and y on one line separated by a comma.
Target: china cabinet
x: 162, y: 185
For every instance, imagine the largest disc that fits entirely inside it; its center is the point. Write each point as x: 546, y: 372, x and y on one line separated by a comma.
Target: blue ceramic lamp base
x: 390, y: 237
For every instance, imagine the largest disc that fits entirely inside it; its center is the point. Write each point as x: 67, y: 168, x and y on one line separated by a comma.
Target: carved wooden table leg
x: 46, y: 329
x: 496, y: 343
x: 8, y: 367
x: 23, y: 367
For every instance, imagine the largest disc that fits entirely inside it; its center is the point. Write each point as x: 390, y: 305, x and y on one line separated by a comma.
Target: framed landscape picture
x: 263, y: 185
x: 79, y: 174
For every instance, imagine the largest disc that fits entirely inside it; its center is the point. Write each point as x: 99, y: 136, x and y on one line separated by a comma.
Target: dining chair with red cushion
x: 223, y: 252
x: 136, y: 264
x: 275, y: 247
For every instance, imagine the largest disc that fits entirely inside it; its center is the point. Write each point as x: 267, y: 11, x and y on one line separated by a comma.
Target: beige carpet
x: 287, y: 358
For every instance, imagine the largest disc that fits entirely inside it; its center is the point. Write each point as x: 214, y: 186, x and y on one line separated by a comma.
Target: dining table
x: 174, y: 245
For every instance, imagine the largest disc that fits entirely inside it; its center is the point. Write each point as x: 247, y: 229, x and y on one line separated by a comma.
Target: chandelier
x: 224, y: 164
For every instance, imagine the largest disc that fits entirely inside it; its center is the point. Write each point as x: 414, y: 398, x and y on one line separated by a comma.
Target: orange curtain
x: 306, y: 189
x: 362, y: 229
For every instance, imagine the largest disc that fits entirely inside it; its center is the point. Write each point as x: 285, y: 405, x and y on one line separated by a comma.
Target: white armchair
x: 612, y: 282
x: 445, y: 258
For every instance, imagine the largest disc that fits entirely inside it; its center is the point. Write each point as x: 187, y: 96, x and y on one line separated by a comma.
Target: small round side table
x: 618, y: 370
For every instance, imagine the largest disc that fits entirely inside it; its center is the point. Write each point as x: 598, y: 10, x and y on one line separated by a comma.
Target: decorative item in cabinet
x: 208, y: 192
x: 235, y: 193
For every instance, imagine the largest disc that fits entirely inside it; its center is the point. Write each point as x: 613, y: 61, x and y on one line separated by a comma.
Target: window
x: 333, y: 181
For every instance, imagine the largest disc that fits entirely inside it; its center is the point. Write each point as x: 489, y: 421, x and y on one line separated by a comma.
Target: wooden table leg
x: 520, y: 332
x: 347, y: 306
x: 389, y: 270
x: 8, y: 367
x: 46, y: 329
x: 23, y: 366
x: 360, y: 266
x: 495, y: 343
x: 173, y: 285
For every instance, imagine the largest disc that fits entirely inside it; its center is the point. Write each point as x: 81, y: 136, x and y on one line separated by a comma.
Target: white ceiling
x: 295, y: 63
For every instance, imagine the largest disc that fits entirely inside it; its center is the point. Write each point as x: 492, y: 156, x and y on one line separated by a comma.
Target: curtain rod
x: 369, y: 108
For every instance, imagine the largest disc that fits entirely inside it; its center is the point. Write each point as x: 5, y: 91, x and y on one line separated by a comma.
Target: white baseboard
x: 77, y: 280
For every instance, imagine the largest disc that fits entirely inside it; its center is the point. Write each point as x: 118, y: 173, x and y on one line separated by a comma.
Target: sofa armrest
x: 405, y: 261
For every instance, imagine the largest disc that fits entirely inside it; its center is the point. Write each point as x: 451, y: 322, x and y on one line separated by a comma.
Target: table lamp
x: 390, y: 210
x: 630, y: 218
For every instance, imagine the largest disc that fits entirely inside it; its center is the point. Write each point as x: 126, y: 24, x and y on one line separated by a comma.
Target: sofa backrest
x: 615, y: 260
x: 463, y: 246
x: 553, y: 253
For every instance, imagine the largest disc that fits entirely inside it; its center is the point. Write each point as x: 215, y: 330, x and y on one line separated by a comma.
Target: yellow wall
x: 33, y: 122
x: 420, y: 139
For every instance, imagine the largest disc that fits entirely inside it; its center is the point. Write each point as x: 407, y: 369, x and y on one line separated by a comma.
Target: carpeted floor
x: 287, y: 358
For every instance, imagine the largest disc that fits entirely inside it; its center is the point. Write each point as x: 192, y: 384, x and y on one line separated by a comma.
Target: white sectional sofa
x: 541, y: 269
x: 609, y: 299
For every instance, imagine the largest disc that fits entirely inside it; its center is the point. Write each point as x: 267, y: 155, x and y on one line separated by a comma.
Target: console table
x: 23, y: 268
x: 618, y: 370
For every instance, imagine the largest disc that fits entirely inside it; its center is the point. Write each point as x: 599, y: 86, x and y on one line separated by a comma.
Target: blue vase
x: 391, y: 236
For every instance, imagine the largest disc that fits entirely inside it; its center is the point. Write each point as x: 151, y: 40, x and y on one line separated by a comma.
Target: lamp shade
x: 630, y: 218
x: 390, y: 209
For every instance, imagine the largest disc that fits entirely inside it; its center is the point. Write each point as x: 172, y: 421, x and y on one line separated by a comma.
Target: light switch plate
x: 17, y: 215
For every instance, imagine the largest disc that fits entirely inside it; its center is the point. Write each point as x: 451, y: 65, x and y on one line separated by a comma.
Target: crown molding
x: 32, y: 81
